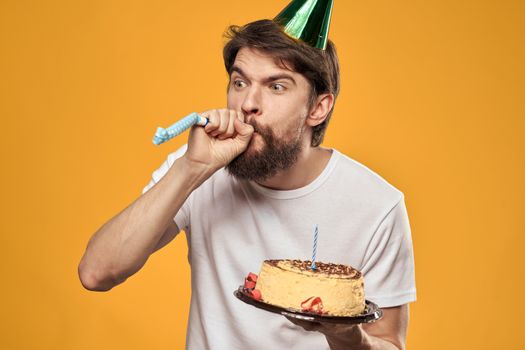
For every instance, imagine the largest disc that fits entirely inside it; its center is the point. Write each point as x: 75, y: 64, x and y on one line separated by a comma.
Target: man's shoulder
x: 361, y: 180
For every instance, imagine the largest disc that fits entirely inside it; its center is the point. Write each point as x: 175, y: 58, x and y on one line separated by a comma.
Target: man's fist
x: 220, y: 141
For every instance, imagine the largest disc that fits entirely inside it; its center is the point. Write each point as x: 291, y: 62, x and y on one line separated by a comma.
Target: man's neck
x: 309, y: 165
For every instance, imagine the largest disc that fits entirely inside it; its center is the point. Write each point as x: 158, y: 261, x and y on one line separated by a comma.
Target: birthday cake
x: 329, y: 289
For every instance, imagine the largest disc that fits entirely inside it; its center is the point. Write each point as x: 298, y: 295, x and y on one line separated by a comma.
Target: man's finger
x: 224, y: 117
x: 213, y: 121
x: 240, y: 115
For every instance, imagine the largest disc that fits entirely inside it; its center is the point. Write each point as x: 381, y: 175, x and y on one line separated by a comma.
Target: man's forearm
x: 122, y: 245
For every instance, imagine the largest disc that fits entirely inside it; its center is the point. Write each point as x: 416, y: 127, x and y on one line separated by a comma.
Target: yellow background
x: 432, y: 99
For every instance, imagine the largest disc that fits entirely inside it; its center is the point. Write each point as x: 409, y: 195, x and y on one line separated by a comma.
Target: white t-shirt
x: 233, y: 225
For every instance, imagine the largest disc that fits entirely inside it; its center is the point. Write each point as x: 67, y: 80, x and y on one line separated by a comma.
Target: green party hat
x: 307, y: 20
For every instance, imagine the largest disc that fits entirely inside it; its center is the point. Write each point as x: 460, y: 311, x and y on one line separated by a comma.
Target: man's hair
x: 319, y: 67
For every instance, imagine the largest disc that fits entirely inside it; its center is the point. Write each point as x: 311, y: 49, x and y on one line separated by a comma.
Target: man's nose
x: 252, y: 101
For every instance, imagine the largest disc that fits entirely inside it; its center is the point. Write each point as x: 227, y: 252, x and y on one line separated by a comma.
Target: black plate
x: 372, y: 311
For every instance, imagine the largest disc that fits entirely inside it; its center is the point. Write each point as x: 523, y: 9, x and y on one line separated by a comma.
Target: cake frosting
x: 330, y: 289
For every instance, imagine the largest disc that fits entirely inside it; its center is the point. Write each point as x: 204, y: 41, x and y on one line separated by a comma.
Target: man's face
x: 274, y: 101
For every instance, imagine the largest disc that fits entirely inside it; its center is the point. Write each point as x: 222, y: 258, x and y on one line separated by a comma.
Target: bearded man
x: 248, y: 186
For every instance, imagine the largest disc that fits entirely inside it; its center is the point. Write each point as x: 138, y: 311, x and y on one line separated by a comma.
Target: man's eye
x: 278, y: 87
x: 239, y: 83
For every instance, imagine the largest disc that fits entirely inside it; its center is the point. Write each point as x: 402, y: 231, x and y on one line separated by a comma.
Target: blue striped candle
x: 316, y: 233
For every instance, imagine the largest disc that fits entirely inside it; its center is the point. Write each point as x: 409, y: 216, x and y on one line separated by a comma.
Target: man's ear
x: 319, y: 111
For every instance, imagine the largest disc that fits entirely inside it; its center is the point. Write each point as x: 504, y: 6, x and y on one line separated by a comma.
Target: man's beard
x: 275, y: 156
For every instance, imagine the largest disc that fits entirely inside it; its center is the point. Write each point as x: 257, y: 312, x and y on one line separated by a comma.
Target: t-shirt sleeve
x: 389, y: 261
x: 182, y: 217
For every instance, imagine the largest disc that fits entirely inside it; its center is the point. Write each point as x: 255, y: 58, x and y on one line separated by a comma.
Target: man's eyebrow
x: 266, y: 80
x: 238, y: 70
x: 280, y: 77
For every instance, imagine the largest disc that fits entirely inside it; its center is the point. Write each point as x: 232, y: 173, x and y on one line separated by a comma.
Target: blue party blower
x: 162, y: 135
